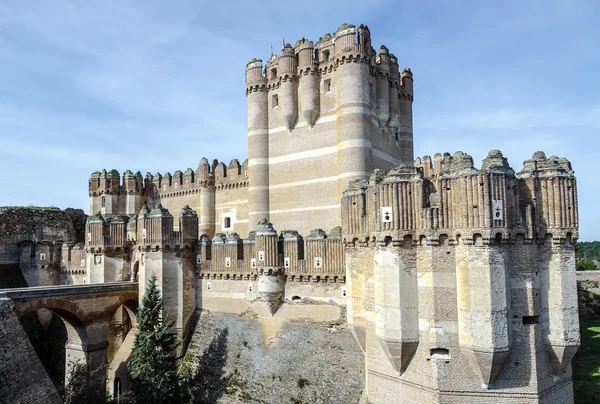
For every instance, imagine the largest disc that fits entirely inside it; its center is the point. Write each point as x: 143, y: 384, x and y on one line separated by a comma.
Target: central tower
x: 319, y: 116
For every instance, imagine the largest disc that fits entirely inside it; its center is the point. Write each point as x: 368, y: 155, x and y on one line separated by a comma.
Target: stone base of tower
x: 438, y: 377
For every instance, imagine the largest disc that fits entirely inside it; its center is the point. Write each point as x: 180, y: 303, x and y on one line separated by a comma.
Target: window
x: 275, y: 102
x: 325, y: 55
x: 261, y: 255
x: 103, y: 201
x: 227, y: 262
x: 42, y: 256
x: 227, y: 223
x: 286, y: 262
x: 318, y: 262
x: 327, y: 86
x: 273, y: 74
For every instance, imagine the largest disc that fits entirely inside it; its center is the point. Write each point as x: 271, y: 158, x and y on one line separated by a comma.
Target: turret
x: 309, y: 81
x: 271, y: 280
x: 133, y: 189
x: 406, y: 112
x: 288, y: 93
x: 364, y: 38
x: 394, y: 78
x: 383, y: 87
x: 345, y: 39
x: 355, y: 158
x: 188, y: 225
x: 549, y: 187
x: 207, y: 198
x: 94, y: 185
x: 109, y: 190
x: 258, y: 141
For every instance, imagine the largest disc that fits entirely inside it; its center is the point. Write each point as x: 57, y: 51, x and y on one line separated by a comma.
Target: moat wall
x: 266, y: 359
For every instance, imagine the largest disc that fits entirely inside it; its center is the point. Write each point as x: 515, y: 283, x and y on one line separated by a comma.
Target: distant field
x: 586, y: 364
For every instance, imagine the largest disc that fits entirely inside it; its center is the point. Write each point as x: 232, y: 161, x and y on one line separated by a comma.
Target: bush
x: 586, y: 265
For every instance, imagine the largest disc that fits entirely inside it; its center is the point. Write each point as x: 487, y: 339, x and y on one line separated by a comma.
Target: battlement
x: 453, y: 197
x: 316, y: 258
x: 347, y: 44
x: 151, y: 228
x: 218, y: 174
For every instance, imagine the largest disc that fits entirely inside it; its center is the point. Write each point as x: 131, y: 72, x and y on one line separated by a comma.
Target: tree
x: 153, y: 366
x: 83, y: 386
x: 586, y: 265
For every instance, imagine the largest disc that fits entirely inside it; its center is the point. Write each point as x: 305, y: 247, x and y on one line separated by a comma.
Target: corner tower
x: 320, y: 115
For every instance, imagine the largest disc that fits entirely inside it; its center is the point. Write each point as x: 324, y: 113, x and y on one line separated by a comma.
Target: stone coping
x: 67, y: 290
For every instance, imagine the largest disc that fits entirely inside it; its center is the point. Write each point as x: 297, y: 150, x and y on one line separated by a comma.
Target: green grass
x: 586, y: 364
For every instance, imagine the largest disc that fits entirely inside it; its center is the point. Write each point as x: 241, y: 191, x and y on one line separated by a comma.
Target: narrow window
x: 103, y: 201
x: 325, y: 56
x: 227, y: 223
x: 327, y: 86
x: 275, y: 101
x: 273, y: 74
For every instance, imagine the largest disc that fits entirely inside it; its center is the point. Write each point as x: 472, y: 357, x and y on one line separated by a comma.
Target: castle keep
x: 457, y: 283
x: 319, y: 116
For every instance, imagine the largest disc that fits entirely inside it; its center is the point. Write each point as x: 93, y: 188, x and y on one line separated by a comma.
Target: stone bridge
x: 87, y: 312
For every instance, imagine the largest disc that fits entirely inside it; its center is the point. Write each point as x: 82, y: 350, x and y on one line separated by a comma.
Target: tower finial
x: 272, y: 54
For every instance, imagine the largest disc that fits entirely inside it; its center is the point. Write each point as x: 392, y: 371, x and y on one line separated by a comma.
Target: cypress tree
x: 153, y: 366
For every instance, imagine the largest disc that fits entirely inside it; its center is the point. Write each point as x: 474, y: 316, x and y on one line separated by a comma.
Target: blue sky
x: 154, y: 86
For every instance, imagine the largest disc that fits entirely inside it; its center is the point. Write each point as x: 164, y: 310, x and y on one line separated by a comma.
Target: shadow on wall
x: 208, y: 384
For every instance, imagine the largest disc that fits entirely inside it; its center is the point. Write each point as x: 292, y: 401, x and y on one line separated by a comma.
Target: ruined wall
x: 22, y: 376
x: 36, y: 238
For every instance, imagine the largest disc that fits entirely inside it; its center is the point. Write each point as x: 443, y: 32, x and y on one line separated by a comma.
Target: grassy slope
x: 586, y: 364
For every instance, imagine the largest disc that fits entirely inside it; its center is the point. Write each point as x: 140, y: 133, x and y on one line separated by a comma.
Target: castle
x: 459, y: 283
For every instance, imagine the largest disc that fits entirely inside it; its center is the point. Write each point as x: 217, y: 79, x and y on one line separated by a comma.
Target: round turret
x: 345, y: 39
x: 254, y: 74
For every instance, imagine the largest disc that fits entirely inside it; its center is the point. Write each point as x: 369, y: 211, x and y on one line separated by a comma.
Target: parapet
x: 454, y: 197
x: 312, y: 259
x: 348, y: 42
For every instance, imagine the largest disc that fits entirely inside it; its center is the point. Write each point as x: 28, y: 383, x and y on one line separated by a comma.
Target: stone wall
x: 274, y: 360
x: 22, y: 376
x: 34, y: 224
x: 588, y: 293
